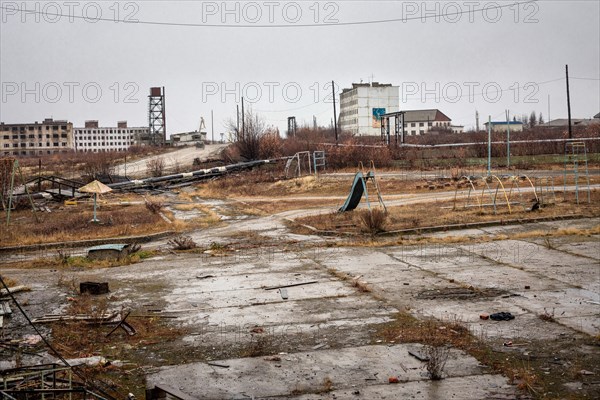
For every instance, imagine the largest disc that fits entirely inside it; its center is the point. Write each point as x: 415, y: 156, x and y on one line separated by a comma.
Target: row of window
x: 32, y: 136
x: 101, y: 150
x: 33, y: 152
x: 95, y: 144
x: 48, y: 144
x: 96, y: 131
x: 80, y: 138
x: 35, y: 128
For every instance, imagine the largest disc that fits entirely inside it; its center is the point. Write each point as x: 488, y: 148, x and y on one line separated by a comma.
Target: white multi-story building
x: 362, y: 106
x: 93, y: 138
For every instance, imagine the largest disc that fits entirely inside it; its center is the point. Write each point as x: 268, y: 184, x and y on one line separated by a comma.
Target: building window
x: 421, y: 132
x: 413, y: 125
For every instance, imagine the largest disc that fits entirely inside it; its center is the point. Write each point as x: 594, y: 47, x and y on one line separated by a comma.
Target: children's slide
x: 358, y: 188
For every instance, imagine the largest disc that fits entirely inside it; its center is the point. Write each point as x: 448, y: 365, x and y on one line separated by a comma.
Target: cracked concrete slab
x: 340, y: 371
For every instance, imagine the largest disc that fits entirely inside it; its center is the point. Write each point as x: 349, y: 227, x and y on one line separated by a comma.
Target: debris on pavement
x: 502, y: 316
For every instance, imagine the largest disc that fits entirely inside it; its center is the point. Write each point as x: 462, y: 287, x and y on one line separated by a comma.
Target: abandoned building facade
x: 93, y: 138
x: 46, y: 137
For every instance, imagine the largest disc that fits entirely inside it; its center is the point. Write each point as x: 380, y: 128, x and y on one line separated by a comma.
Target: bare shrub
x: 373, y: 221
x: 437, y: 355
x: 270, y: 144
x: 247, y: 139
x: 436, y: 349
x: 351, y: 153
x: 100, y: 164
x: 182, y: 243
x: 154, y: 206
x: 156, y: 166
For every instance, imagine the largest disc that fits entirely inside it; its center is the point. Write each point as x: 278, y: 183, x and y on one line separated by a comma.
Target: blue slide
x: 358, y: 188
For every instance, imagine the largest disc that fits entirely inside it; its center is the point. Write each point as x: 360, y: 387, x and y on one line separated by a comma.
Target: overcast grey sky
x: 283, y: 55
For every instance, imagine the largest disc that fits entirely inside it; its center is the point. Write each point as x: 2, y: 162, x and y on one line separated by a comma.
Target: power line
x: 586, y: 79
x: 291, y: 25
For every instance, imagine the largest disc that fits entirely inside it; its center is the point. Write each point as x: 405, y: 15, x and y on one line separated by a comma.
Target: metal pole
x: 507, y: 139
x: 164, y: 112
x: 10, y: 193
x: 212, y: 125
x: 95, y: 200
x: 569, y: 102
x: 489, y: 145
x: 334, y: 112
x: 243, y: 117
x: 237, y: 113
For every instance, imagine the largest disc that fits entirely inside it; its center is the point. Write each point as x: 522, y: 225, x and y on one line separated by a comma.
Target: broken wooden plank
x: 85, y: 318
x: 291, y: 285
x: 14, y: 289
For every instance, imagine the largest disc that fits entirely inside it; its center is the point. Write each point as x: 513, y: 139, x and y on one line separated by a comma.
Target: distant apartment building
x: 501, y: 126
x: 93, y: 138
x: 188, y: 138
x: 362, y: 106
x: 421, y: 122
x: 47, y: 137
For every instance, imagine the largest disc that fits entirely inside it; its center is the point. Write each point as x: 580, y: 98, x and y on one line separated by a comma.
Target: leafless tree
x: 247, y: 139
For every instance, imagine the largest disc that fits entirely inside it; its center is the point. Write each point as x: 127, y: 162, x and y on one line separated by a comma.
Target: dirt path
x: 183, y: 157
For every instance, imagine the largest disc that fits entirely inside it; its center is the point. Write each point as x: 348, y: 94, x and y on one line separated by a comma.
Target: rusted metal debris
x: 290, y: 285
x: 130, y: 330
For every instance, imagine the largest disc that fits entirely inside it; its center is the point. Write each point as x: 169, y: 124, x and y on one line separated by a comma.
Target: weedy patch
x: 182, y: 242
x: 548, y: 316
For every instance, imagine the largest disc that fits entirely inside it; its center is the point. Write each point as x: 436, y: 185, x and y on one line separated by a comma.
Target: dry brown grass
x: 373, y: 221
x: 65, y: 223
x: 119, y: 215
x: 9, y: 282
x: 432, y: 214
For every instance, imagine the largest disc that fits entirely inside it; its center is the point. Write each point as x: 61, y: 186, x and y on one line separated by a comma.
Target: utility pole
x: 212, y: 125
x: 334, y: 113
x: 569, y: 102
x: 489, y: 145
x: 476, y: 121
x: 507, y: 139
x: 243, y: 117
x: 237, y: 114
